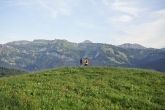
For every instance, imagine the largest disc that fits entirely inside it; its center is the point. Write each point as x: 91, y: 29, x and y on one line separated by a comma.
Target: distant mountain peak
x: 87, y: 41
x: 134, y: 46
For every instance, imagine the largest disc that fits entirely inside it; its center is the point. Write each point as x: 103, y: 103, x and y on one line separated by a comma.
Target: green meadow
x: 84, y: 88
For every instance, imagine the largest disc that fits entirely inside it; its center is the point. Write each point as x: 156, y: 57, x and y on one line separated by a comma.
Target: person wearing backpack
x: 86, y: 62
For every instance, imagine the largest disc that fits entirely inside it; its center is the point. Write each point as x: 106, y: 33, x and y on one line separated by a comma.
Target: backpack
x: 86, y: 61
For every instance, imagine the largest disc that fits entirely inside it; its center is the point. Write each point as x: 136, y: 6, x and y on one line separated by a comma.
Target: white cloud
x: 129, y: 7
x: 150, y: 34
x: 123, y: 18
x: 56, y: 7
x: 146, y: 27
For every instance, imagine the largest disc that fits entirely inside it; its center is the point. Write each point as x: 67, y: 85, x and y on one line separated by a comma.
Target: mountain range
x: 44, y: 54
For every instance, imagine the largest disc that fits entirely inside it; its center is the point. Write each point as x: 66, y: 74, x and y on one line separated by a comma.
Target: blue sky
x: 100, y: 21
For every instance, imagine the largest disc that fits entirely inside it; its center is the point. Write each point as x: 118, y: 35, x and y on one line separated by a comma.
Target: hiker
x: 86, y: 62
x: 80, y: 62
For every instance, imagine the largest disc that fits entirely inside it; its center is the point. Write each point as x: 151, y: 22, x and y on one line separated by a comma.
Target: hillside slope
x: 100, y: 88
x: 10, y: 72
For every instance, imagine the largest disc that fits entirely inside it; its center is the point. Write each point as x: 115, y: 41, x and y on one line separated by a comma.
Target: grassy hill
x: 99, y: 88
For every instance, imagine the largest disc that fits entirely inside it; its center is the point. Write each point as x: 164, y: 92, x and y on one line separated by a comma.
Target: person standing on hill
x: 86, y: 62
x: 80, y: 62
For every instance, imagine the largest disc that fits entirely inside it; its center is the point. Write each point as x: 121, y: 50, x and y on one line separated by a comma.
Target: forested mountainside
x: 158, y: 65
x: 10, y: 72
x: 44, y: 54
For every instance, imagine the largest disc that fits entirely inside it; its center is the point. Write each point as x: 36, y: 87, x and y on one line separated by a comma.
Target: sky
x: 100, y: 21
